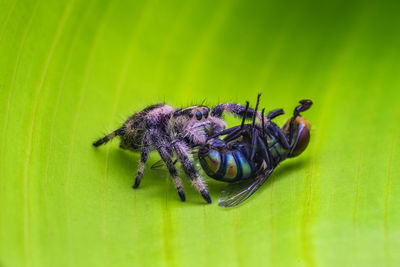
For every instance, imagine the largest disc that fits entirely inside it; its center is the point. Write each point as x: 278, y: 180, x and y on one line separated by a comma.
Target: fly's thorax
x: 277, y: 151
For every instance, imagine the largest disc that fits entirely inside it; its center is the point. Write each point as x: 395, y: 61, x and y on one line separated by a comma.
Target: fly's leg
x: 254, y: 132
x: 275, y: 113
x: 226, y: 132
x: 233, y: 135
x: 238, y: 132
x: 234, y: 132
x: 253, y: 143
x: 304, y: 105
x: 264, y: 152
x: 278, y: 134
x: 182, y: 154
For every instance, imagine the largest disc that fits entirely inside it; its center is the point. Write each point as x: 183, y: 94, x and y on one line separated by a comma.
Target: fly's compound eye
x: 198, y: 115
x: 205, y: 113
x: 301, y: 138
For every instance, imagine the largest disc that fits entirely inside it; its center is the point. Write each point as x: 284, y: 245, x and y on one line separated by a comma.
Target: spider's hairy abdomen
x: 137, y: 125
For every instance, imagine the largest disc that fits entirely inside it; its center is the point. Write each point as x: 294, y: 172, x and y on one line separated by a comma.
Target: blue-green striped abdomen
x: 227, y: 165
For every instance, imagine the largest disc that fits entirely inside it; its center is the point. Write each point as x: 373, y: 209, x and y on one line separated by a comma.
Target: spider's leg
x: 109, y: 136
x: 143, y: 158
x: 181, y: 151
x: 166, y: 157
x: 234, y: 109
x: 160, y: 144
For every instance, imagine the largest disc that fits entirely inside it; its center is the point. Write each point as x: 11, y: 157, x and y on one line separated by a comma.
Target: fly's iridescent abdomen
x: 232, y: 163
x: 228, y: 165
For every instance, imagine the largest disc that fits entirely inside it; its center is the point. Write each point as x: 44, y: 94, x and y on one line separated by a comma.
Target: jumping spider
x: 173, y: 133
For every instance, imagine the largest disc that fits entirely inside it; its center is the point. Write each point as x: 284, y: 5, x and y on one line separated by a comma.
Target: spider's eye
x: 198, y: 115
x: 190, y: 114
x: 205, y: 113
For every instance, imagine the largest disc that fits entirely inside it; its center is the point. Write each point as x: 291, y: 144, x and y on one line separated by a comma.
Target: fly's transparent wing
x: 236, y: 193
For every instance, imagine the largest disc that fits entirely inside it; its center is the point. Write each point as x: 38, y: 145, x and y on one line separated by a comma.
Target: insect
x: 249, y: 153
x: 173, y: 133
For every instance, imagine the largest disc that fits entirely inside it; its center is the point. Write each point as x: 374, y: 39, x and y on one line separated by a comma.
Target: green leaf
x: 73, y: 70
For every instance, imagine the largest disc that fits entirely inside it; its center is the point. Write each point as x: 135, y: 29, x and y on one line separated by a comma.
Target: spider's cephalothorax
x: 173, y: 133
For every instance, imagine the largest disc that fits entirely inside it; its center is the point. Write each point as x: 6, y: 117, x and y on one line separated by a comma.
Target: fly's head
x: 297, y: 130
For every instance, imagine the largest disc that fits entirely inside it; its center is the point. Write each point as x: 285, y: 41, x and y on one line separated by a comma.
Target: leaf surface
x: 72, y: 71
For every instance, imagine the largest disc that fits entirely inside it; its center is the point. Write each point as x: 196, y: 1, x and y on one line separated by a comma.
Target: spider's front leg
x: 235, y: 109
x: 182, y: 152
